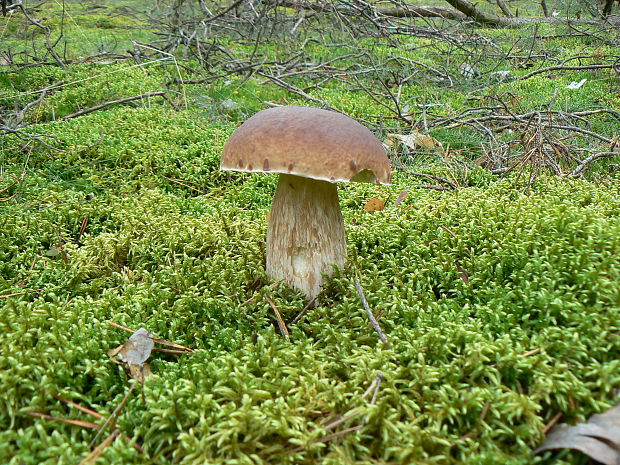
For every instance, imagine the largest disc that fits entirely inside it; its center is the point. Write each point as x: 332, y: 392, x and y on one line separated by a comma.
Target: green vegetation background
x: 501, y: 301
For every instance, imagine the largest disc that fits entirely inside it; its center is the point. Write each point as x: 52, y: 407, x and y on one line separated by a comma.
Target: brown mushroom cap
x: 308, y: 142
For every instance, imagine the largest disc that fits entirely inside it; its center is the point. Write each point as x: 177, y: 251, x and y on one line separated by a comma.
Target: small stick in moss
x: 79, y: 407
x: 309, y: 305
x: 114, y: 102
x: 85, y: 424
x: 552, y: 423
x: 340, y: 419
x: 83, y: 226
x: 20, y: 293
x: 531, y: 352
x: 69, y: 421
x: 111, y: 420
x: 371, y: 317
x: 445, y: 228
x: 374, y: 386
x: 281, y: 323
x: 187, y: 184
x: 156, y: 340
x: 95, y: 454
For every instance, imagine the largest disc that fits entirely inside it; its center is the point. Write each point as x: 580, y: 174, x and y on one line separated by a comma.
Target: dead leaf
x: 599, y: 438
x: 374, y: 205
x: 112, y: 353
x: 401, y: 198
x: 462, y: 273
x: 416, y: 141
x: 135, y: 352
x: 137, y: 349
x: 140, y: 372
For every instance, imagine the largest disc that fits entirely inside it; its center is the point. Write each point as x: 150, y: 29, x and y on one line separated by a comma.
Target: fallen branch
x: 585, y: 163
x: 85, y: 111
x: 295, y: 90
x: 570, y: 68
x: 472, y: 12
x: 462, y: 10
x: 401, y: 11
x: 232, y: 6
x: 22, y: 113
x: 35, y: 137
x: 46, y: 31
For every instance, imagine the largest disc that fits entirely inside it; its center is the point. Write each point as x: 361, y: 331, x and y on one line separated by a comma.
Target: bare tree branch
x: 114, y: 102
x: 585, y: 163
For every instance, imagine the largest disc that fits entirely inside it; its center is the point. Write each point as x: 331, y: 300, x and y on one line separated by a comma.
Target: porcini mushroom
x: 311, y: 149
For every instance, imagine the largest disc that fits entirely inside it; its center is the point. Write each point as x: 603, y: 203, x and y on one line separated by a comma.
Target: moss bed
x: 501, y: 301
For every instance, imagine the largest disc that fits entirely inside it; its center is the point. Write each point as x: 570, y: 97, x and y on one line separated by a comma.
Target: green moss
x: 500, y: 302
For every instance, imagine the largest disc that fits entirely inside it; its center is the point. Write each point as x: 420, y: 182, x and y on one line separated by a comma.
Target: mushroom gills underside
x: 305, y: 237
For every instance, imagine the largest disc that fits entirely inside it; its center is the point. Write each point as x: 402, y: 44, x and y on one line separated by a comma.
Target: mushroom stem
x: 305, y: 237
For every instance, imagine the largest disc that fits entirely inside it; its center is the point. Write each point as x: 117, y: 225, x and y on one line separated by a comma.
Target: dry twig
x: 85, y: 111
x: 371, y: 316
x: 281, y: 323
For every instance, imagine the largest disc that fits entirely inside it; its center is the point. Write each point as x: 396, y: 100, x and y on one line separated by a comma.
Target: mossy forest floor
x: 501, y: 299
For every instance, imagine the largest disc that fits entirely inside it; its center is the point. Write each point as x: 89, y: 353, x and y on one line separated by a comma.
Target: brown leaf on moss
x: 598, y: 438
x: 135, y: 352
x: 374, y: 205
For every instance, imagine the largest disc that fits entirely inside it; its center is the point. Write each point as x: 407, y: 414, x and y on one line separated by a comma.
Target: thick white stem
x: 305, y: 238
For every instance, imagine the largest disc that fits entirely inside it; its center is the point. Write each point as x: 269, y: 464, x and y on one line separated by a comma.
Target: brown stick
x: 303, y: 311
x: 95, y: 454
x: 157, y: 340
x: 448, y: 230
x: 81, y: 408
x: 111, y: 420
x: 472, y: 12
x: 281, y: 323
x: 531, y: 352
x: 20, y: 293
x: 186, y: 184
x: 95, y: 414
x: 552, y: 423
x: 69, y: 421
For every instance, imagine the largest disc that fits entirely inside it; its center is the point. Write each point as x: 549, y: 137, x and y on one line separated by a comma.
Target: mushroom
x: 311, y: 149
